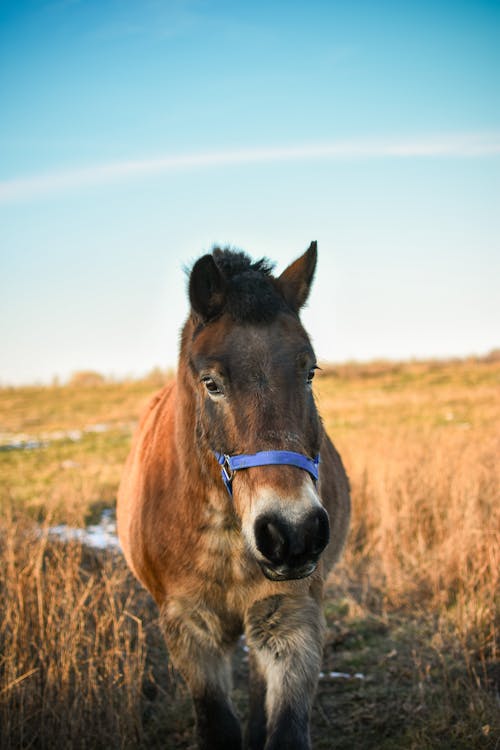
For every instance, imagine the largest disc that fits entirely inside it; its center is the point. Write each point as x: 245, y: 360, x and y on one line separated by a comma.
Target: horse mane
x: 252, y: 294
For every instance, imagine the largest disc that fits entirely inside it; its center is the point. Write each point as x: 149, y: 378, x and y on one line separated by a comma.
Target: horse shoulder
x: 144, y: 489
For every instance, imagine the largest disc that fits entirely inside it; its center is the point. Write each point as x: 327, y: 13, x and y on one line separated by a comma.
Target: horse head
x: 249, y: 366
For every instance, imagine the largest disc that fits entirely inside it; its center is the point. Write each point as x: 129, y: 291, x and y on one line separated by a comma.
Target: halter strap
x: 231, y: 464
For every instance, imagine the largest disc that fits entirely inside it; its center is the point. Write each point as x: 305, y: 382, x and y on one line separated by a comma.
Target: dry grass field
x: 412, y: 610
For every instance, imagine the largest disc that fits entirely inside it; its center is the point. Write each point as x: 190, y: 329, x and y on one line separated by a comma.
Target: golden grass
x: 423, y: 462
x: 418, y: 586
x: 72, y: 648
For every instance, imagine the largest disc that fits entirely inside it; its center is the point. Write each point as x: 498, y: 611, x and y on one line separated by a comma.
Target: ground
x: 412, y: 610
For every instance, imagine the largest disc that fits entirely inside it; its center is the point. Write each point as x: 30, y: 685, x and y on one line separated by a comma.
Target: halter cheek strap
x: 231, y: 464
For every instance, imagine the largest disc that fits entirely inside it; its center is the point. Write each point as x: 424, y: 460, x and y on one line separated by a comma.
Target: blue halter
x: 231, y: 464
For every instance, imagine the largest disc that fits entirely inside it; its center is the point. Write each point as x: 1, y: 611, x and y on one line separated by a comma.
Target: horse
x: 234, y: 503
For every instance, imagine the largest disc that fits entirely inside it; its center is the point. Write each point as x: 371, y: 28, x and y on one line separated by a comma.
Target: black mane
x: 252, y: 294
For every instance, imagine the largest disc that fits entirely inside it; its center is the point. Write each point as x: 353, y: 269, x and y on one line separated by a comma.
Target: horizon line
x: 468, y: 145
x: 490, y: 355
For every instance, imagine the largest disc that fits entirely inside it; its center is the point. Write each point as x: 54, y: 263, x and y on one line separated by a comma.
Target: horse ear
x: 295, y: 281
x: 207, y: 288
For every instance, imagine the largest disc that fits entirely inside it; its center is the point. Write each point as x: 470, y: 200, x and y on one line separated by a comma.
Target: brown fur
x: 187, y: 542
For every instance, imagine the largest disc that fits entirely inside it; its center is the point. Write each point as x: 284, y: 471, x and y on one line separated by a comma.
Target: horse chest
x: 222, y: 558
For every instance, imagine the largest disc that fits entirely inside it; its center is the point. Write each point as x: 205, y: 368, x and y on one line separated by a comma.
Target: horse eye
x: 211, y: 386
x: 311, y: 374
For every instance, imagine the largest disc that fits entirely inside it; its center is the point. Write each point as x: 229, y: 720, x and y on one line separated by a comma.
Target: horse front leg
x: 200, y: 651
x: 286, y: 635
x: 255, y: 736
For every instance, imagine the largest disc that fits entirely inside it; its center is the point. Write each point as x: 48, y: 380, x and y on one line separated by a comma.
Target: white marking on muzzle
x: 293, y: 509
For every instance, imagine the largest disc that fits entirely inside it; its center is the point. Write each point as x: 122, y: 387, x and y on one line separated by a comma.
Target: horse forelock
x: 251, y: 293
x: 233, y: 262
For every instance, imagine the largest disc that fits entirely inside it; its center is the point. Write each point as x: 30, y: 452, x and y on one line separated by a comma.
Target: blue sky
x: 135, y: 135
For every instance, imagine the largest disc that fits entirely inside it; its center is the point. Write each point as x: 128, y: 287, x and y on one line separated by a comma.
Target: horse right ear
x: 295, y: 281
x: 207, y: 288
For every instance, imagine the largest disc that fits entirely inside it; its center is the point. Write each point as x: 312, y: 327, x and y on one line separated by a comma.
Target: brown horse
x: 223, y: 513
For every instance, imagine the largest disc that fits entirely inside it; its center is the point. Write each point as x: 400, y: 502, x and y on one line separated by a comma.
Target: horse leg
x: 255, y: 736
x: 286, y: 635
x: 201, y: 653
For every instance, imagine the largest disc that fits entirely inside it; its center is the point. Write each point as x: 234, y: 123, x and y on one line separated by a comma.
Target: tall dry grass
x: 426, y: 524
x: 72, y: 647
x: 421, y: 444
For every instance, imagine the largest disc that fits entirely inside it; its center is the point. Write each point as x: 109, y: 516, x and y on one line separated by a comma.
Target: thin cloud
x: 451, y: 146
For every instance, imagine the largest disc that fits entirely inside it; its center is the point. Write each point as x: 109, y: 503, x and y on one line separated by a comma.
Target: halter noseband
x: 231, y: 464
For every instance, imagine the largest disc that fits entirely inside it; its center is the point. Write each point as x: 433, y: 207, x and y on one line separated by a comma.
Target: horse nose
x: 292, y: 545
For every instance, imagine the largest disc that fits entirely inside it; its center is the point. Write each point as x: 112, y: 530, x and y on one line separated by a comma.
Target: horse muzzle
x: 288, y: 549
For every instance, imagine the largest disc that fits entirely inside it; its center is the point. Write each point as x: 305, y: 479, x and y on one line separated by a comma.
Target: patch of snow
x: 23, y: 443
x: 341, y: 676
x: 98, y: 428
x: 101, y: 535
x: 69, y: 464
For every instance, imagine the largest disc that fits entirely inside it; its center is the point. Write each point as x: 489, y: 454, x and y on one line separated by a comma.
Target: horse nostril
x: 311, y: 537
x: 271, y: 539
x: 319, y: 532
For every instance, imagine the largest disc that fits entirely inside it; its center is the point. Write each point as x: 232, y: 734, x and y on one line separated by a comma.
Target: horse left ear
x: 207, y: 288
x: 295, y: 281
